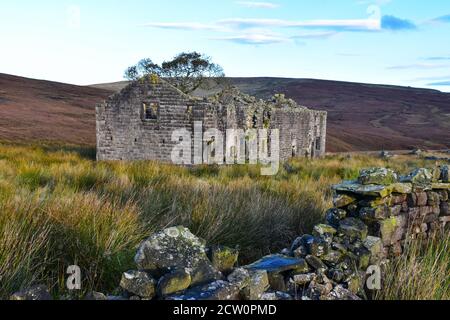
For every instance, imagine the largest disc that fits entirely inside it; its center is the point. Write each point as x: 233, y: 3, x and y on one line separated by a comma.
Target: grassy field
x: 58, y: 207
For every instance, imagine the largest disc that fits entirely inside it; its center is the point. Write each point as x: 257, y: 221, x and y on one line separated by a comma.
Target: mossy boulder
x: 377, y: 176
x: 138, y: 283
x: 176, y: 248
x: 173, y: 282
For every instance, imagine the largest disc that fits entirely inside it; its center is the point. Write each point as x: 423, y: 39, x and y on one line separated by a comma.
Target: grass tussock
x: 58, y: 207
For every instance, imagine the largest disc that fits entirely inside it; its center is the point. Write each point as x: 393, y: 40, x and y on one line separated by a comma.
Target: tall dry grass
x: 421, y: 273
x: 58, y: 207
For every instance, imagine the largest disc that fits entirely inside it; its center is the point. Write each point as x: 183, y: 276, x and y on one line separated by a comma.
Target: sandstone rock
x: 38, y: 292
x: 353, y: 228
x: 316, y: 263
x: 223, y: 258
x: 377, y: 176
x: 173, y: 282
x: 417, y: 199
x: 368, y: 214
x: 343, y: 200
x: 138, y: 283
x: 389, y: 229
x: 176, y: 248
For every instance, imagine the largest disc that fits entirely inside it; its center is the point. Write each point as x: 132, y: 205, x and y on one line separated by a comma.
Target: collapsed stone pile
x: 372, y: 219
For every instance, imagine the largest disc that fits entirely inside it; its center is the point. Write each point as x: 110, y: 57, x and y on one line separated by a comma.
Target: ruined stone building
x: 137, y: 123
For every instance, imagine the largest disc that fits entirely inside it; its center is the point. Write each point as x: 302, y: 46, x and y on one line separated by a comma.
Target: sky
x: 399, y: 42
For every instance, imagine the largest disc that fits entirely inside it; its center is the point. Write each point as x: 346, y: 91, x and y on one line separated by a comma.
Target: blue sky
x: 401, y: 42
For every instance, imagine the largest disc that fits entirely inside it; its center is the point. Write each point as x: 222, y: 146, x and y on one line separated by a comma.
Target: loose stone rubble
x: 372, y: 219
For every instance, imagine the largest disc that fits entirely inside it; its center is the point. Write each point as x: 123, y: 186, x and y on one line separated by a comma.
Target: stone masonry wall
x: 124, y: 133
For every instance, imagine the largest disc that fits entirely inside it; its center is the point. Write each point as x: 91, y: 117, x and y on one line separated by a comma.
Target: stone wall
x: 125, y: 133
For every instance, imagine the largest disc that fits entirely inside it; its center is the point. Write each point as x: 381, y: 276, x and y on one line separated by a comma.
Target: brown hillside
x: 362, y: 117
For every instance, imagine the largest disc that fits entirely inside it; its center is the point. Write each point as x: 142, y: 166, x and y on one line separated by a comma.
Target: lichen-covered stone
x: 332, y: 258
x: 403, y: 188
x: 343, y: 200
x: 369, y: 214
x: 173, y: 282
x: 38, y: 292
x: 419, y: 178
x: 365, y: 190
x: 138, y: 283
x: 375, y: 246
x: 176, y: 248
x: 379, y: 176
x: 389, y: 229
x: 258, y: 284
x: 223, y: 258
x: 334, y: 216
x: 353, y: 228
x: 324, y: 230
x: 440, y: 186
x: 318, y: 247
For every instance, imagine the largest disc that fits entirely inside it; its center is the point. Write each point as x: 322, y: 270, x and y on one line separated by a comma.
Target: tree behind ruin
x: 187, y: 71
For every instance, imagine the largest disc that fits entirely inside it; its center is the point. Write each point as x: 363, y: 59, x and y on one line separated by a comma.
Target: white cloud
x: 255, y: 38
x: 186, y: 26
x: 418, y: 66
x: 315, y: 35
x: 260, y: 5
x: 342, y: 25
